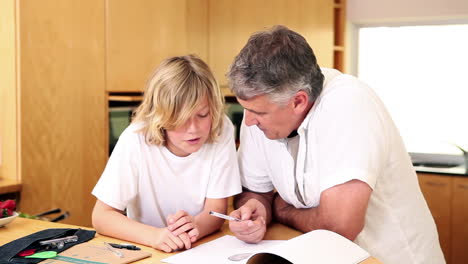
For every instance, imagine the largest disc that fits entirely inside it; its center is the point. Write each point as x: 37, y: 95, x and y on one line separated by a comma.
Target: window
x: 421, y: 75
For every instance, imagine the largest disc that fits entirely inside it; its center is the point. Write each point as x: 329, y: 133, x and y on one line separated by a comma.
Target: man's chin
x: 271, y: 136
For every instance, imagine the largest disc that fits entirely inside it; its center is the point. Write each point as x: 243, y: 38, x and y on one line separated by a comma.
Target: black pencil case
x: 9, y: 252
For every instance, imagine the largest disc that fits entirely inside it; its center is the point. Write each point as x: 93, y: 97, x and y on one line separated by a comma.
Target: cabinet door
x: 142, y: 33
x: 233, y: 21
x: 62, y: 105
x: 438, y: 194
x: 460, y: 221
x: 8, y: 103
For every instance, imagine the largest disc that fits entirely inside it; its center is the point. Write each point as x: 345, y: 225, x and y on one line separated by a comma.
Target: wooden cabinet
x: 447, y: 198
x: 62, y: 61
x: 55, y: 110
x: 339, y: 25
x: 460, y: 220
x: 231, y: 22
x: 437, y: 191
x: 8, y: 117
x: 140, y: 34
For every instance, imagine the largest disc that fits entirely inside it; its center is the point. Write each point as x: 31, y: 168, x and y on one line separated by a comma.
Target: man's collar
x: 293, y: 134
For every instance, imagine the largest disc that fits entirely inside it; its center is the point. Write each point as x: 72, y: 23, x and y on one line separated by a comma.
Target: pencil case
x: 9, y: 252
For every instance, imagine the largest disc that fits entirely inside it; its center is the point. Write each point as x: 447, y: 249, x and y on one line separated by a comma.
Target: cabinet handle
x: 462, y: 186
x: 431, y: 183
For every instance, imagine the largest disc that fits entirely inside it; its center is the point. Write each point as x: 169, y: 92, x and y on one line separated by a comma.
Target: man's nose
x: 250, y: 119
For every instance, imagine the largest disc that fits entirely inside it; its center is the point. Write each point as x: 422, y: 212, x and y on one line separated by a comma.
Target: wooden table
x: 21, y: 227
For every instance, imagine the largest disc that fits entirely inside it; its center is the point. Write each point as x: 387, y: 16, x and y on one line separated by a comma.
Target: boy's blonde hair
x: 173, y: 93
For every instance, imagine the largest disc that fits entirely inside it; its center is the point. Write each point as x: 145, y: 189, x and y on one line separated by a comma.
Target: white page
x: 320, y: 246
x: 217, y: 251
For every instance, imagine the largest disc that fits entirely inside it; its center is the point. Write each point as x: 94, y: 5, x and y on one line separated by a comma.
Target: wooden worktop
x: 21, y: 227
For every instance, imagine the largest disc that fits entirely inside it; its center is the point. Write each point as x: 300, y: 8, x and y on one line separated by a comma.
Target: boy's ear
x: 300, y: 101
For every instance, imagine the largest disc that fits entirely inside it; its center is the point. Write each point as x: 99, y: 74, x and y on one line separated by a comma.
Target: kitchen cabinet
x: 53, y: 108
x: 460, y: 220
x: 447, y: 198
x: 63, y: 61
x: 339, y: 26
x: 437, y: 191
x: 231, y: 22
x: 140, y: 34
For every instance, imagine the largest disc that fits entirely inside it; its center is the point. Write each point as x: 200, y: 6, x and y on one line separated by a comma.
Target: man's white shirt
x: 348, y: 134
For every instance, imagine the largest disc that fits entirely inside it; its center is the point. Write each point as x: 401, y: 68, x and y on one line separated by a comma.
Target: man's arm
x: 342, y: 209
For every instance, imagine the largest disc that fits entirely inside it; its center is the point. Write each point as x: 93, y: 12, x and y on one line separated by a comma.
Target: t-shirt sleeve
x: 224, y: 179
x: 118, y: 183
x: 252, y: 162
x: 352, y: 139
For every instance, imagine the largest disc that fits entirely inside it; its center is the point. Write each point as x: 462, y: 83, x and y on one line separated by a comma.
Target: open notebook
x: 319, y: 246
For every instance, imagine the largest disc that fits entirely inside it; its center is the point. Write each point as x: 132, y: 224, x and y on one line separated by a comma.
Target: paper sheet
x: 218, y: 251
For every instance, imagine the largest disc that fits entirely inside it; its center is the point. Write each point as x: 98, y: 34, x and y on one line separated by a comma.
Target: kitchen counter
x: 453, y: 171
x: 448, y: 164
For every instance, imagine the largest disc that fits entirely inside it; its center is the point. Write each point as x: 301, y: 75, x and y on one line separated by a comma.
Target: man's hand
x: 182, y: 223
x: 252, y: 228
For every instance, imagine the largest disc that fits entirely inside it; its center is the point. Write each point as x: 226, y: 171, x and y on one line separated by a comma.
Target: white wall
x: 384, y: 11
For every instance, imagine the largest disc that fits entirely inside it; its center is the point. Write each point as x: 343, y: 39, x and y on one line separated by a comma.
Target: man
x: 324, y: 141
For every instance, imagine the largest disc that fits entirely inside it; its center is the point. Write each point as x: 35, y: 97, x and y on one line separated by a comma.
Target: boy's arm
x: 202, y: 224
x: 207, y: 223
x: 112, y: 222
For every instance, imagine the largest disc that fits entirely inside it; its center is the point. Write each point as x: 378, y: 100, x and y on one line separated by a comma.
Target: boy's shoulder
x: 133, y: 132
x: 228, y: 128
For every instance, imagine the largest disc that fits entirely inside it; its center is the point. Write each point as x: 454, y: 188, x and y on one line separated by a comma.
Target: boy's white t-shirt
x: 348, y: 135
x: 151, y: 182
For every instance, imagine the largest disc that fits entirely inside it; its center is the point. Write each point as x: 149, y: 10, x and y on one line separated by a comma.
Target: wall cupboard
x: 140, y: 34
x: 233, y: 21
x: 53, y: 102
x: 62, y: 61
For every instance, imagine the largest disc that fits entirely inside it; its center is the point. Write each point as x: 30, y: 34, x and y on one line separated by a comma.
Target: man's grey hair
x: 278, y: 63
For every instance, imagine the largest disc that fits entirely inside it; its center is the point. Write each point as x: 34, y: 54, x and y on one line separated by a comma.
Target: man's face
x: 276, y: 121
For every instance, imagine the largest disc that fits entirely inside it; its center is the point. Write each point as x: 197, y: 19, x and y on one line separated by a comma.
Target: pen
x: 125, y: 246
x: 223, y: 216
x: 113, y: 250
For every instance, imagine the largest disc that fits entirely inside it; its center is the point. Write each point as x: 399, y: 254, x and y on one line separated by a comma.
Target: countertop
x: 453, y: 171
x: 448, y: 164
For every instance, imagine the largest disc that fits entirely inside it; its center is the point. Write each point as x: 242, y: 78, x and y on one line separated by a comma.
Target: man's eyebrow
x: 255, y: 112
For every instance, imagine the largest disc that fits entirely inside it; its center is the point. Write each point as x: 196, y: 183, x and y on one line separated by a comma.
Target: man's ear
x: 300, y: 102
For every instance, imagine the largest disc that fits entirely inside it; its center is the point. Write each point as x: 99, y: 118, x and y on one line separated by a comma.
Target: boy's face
x: 189, y: 137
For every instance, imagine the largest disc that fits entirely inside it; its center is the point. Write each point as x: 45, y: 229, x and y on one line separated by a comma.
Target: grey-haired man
x: 325, y: 142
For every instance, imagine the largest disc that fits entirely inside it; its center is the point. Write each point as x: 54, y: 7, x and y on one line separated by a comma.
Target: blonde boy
x: 173, y: 164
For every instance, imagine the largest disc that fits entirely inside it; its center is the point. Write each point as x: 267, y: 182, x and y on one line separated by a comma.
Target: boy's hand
x: 180, y: 223
x: 168, y: 242
x: 252, y: 228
